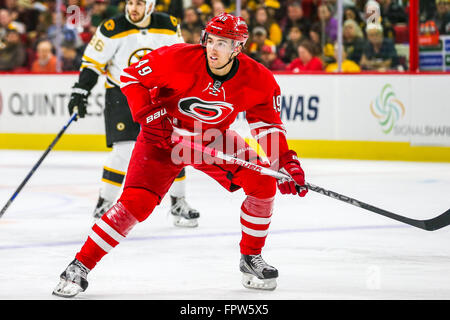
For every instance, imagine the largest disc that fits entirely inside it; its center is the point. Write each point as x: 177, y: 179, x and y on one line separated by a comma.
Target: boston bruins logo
x: 137, y: 55
x: 205, y: 111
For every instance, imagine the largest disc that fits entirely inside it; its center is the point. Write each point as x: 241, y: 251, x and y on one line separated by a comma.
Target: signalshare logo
x: 390, y: 111
x: 387, y: 109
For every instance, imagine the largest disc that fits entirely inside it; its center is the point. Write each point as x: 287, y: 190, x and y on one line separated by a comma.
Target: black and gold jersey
x: 118, y: 43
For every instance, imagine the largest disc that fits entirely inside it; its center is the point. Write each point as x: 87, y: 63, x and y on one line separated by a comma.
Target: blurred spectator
x: 102, y: 10
x: 273, y: 29
x: 427, y: 9
x: 27, y: 14
x: 288, y: 50
x: 273, y: 10
x: 191, y: 20
x: 347, y: 65
x: 294, y: 16
x: 322, y: 45
x: 8, y: 4
x: 45, y: 20
x: 70, y: 57
x: 172, y: 7
x: 372, y: 14
x: 251, y: 4
x: 328, y: 23
x: 13, y: 14
x: 203, y: 9
x: 202, y: 6
x: 12, y: 51
x: 270, y: 59
x: 442, y: 16
x: 217, y: 7
x: 186, y: 35
x: 246, y: 15
x: 286, y: 23
x: 192, y: 37
x: 392, y: 12
x: 46, y: 61
x: 196, y: 35
x: 259, y: 39
x: 379, y: 52
x: 353, y: 39
x: 315, y: 36
x: 7, y: 21
x: 351, y: 13
x: 306, y: 60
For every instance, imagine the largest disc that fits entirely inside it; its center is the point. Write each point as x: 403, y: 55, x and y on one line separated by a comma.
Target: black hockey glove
x: 78, y: 99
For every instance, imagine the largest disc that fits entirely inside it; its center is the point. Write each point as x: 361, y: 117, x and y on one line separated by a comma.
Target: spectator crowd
x: 290, y: 35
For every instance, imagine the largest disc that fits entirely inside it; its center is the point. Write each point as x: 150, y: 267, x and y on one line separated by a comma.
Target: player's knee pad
x: 256, y: 215
x: 120, y: 219
x: 139, y: 202
x: 257, y: 207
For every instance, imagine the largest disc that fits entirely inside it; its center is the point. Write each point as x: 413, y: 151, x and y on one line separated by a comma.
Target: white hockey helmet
x: 148, y: 4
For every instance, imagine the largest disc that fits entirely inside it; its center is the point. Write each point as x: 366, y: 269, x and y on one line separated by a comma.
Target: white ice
x: 323, y: 248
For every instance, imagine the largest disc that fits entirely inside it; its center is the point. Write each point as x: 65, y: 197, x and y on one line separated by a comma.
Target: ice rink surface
x: 323, y: 248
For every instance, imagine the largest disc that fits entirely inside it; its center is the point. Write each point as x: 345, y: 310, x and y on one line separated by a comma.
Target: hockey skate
x: 73, y: 280
x: 103, y: 205
x: 183, y: 215
x: 257, y: 274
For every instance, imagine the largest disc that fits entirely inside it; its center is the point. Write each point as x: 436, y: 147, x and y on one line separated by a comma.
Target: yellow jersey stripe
x: 101, y: 65
x: 151, y: 30
x: 180, y: 179
x: 93, y: 67
x: 112, y: 182
x: 162, y: 31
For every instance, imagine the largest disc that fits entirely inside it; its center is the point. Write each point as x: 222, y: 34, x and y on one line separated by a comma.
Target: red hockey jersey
x: 192, y: 95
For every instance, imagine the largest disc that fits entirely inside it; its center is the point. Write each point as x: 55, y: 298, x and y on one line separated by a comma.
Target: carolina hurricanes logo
x: 205, y: 111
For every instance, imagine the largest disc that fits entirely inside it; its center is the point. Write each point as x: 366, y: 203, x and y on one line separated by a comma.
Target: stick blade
x: 439, y: 222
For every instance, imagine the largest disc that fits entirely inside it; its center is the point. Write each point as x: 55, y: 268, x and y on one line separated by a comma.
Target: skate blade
x: 67, y: 289
x: 252, y: 282
x: 185, y: 223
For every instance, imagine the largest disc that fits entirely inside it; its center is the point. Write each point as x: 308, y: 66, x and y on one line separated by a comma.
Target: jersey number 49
x: 145, y: 70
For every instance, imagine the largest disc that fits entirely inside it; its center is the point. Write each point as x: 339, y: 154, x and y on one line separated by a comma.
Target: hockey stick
x: 74, y: 116
x: 429, y: 224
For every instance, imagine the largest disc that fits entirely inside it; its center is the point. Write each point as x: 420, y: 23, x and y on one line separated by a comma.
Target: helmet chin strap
x: 230, y: 59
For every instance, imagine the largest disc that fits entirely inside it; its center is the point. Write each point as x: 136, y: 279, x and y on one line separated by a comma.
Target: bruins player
x: 118, y: 43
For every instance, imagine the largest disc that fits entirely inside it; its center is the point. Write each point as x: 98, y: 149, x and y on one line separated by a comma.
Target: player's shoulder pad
x: 179, y: 57
x: 161, y: 20
x: 116, y: 25
x: 177, y: 50
x: 251, y: 66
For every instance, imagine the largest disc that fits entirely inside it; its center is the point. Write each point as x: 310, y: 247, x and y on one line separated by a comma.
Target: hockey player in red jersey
x: 180, y: 92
